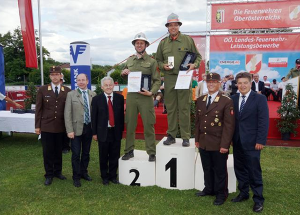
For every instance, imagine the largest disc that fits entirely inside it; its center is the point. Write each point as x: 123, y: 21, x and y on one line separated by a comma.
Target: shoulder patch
x: 226, y: 96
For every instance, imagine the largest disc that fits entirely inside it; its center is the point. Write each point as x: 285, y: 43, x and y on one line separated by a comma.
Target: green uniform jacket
x: 176, y: 48
x: 148, y: 66
x: 293, y: 73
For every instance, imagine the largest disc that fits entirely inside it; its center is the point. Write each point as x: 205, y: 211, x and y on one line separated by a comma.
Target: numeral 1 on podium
x: 172, y: 165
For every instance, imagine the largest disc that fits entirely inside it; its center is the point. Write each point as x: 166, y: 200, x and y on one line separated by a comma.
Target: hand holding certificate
x: 183, y: 80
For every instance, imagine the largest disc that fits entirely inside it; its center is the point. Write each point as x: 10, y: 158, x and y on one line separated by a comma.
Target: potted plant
x: 30, y: 97
x: 288, y: 113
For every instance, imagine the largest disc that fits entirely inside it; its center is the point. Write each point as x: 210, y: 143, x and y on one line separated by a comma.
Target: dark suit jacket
x: 253, y: 124
x: 49, y: 110
x: 214, y: 127
x: 261, y: 87
x: 100, y: 116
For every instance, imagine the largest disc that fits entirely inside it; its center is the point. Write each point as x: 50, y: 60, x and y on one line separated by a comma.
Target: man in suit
x: 202, y: 87
x: 214, y: 128
x: 257, y: 85
x: 49, y: 122
x: 250, y: 136
x: 78, y: 126
x: 108, y: 126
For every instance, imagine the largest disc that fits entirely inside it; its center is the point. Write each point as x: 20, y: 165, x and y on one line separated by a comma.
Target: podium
x: 137, y: 171
x: 175, y: 165
x: 199, y: 176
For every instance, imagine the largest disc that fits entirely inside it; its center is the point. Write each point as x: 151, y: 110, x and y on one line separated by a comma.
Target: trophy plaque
x: 146, y: 82
x: 189, y: 57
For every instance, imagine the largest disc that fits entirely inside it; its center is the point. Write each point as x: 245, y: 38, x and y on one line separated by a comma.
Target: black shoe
x: 258, y: 207
x: 185, y: 143
x: 86, y: 177
x: 61, y: 177
x: 219, y: 201
x: 170, y: 140
x: 105, y: 182
x: 202, y: 193
x: 48, y: 181
x: 164, y: 112
x: 115, y: 181
x: 240, y: 198
x: 152, y: 158
x: 128, y: 155
x: 76, y: 183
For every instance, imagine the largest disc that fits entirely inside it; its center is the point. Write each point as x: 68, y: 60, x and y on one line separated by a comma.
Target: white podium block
x: 199, y: 175
x: 137, y: 171
x: 175, y: 165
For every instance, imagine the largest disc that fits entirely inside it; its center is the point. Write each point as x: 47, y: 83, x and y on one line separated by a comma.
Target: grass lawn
x: 22, y: 189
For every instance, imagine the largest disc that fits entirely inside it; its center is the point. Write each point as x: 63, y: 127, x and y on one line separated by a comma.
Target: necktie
x: 209, y: 101
x: 86, y: 109
x: 242, y: 104
x: 224, y: 86
x: 111, y: 112
x: 56, y: 91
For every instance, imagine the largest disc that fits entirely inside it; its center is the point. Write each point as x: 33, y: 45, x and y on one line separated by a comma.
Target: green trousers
x: 178, y: 103
x: 135, y: 104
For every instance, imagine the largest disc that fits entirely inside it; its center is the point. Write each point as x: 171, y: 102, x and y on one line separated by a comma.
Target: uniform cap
x: 140, y: 36
x: 212, y: 76
x: 297, y: 61
x: 173, y: 18
x: 55, y: 69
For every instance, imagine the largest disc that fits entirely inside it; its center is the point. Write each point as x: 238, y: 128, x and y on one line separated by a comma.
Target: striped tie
x: 242, y: 105
x: 86, y: 109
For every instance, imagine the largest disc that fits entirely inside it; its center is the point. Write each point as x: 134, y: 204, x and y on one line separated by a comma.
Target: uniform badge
x: 62, y: 89
x: 216, y: 120
x: 216, y: 111
x: 49, y: 87
x: 217, y: 116
x: 231, y: 111
x: 47, y: 100
x: 204, y: 99
x: 212, y: 124
x: 219, y: 124
x: 217, y: 99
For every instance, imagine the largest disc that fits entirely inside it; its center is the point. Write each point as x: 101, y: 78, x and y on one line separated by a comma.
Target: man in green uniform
x: 141, y: 102
x: 178, y: 102
x: 294, y: 72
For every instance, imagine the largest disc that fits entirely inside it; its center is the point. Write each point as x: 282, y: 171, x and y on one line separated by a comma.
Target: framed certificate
x: 189, y: 57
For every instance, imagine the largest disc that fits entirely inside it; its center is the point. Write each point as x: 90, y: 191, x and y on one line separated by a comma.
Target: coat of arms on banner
x: 220, y: 15
x: 253, y: 63
x: 294, y: 12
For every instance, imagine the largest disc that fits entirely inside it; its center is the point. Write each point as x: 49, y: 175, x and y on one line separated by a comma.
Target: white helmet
x: 140, y: 36
x: 173, y: 18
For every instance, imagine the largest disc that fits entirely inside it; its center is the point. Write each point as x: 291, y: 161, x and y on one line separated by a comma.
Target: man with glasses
x: 214, y: 128
x: 49, y: 122
x: 178, y: 102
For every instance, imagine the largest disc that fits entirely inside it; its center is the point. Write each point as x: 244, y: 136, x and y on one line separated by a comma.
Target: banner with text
x: 279, y: 14
x: 272, y: 55
x: 200, y: 42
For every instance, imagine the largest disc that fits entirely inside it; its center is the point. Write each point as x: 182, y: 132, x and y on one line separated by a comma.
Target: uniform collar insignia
x: 49, y: 87
x: 62, y: 89
x: 204, y: 99
x: 217, y: 99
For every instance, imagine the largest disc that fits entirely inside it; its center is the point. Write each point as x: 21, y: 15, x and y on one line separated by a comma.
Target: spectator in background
x: 294, y: 72
x: 268, y: 91
x: 194, y: 82
x: 281, y: 86
x: 202, y: 87
x: 274, y: 88
x: 3, y: 97
x: 257, y: 85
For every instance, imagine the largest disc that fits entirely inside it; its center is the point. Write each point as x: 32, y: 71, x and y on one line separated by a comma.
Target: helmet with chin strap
x: 140, y: 36
x: 173, y: 18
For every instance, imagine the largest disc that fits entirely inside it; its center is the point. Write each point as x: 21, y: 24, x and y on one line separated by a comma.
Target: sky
x: 107, y: 25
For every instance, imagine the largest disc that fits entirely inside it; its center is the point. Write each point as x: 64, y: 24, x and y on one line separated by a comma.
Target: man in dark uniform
x: 178, y: 102
x: 49, y: 122
x: 294, y: 72
x: 214, y: 129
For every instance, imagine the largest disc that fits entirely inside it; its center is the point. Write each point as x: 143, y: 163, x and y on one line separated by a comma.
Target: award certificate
x: 134, y: 81
x: 183, y: 80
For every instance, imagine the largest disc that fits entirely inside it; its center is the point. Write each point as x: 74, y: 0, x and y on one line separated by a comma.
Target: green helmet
x: 173, y: 18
